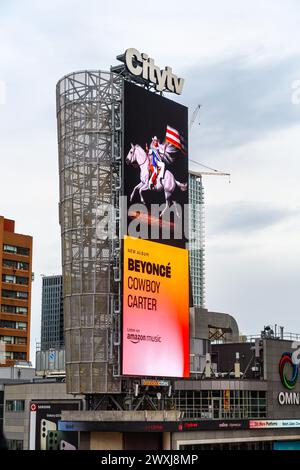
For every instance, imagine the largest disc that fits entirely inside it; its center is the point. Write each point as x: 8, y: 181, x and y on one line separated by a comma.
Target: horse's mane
x: 139, y: 146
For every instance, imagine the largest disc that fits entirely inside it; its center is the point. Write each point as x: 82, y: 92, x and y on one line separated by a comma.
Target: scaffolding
x: 89, y: 115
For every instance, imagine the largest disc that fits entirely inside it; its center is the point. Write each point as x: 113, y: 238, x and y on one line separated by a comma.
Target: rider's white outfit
x: 155, y: 154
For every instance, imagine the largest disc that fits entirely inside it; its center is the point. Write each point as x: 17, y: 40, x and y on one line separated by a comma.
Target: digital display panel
x: 155, y: 179
x: 155, y: 309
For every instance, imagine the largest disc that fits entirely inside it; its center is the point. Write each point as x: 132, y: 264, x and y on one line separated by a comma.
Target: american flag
x: 174, y: 138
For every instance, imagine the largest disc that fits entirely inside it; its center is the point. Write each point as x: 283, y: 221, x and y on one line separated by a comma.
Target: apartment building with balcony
x: 15, y: 295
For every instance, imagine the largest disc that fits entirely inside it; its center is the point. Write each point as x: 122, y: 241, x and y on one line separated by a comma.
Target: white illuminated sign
x: 289, y: 398
x: 277, y: 423
x: 141, y: 65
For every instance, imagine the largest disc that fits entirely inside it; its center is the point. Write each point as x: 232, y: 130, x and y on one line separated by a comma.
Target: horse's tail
x: 182, y: 186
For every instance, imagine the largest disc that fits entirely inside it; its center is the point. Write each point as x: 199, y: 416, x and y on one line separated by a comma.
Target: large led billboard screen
x: 155, y: 260
x: 155, y: 309
x: 156, y: 166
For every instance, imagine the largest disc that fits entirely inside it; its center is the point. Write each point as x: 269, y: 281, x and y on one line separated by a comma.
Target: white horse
x: 168, y: 184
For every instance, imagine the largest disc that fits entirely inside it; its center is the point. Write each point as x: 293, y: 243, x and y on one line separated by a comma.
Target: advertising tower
x: 123, y: 166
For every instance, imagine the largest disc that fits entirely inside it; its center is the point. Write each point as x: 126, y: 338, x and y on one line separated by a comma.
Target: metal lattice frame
x: 89, y: 106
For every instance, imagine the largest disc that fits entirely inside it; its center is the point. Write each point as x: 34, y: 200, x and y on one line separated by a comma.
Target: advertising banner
x: 156, y: 166
x: 44, y: 433
x: 273, y: 424
x: 155, y: 309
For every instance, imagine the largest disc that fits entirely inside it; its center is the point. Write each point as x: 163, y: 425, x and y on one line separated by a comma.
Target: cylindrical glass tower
x: 89, y: 105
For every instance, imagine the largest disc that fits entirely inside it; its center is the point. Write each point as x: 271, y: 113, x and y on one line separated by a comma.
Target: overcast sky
x: 241, y: 62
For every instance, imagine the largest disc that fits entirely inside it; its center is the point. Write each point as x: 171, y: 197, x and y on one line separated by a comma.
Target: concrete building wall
x: 106, y: 441
x: 16, y: 373
x: 16, y: 424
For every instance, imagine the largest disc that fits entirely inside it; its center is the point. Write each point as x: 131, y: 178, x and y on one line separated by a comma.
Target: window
x: 22, y: 295
x: 9, y: 249
x: 7, y: 263
x: 22, y: 310
x: 22, y: 251
x: 13, y: 340
x: 8, y: 355
x: 8, y: 278
x: 15, y: 405
x: 12, y: 294
x: 19, y: 355
x: 22, y: 266
x: 12, y: 324
x: 22, y: 280
x: 7, y: 339
x: 222, y: 404
x: 8, y: 308
x: 11, y: 264
x: 7, y: 324
x: 14, y: 444
x: 20, y: 340
x: 13, y: 309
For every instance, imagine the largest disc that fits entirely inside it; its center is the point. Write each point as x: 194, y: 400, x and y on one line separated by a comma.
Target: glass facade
x: 196, y: 244
x: 222, y: 404
x: 52, y: 328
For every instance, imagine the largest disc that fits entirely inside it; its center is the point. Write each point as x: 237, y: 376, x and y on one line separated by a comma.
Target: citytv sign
x: 141, y: 65
x: 289, y: 372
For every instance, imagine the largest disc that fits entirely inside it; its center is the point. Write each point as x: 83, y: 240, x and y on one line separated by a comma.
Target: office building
x: 13, y: 374
x: 16, y: 276
x: 196, y: 244
x: 52, y: 326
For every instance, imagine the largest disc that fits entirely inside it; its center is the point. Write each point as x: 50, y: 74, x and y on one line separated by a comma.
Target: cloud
x: 246, y: 218
x: 242, y: 99
x: 256, y: 290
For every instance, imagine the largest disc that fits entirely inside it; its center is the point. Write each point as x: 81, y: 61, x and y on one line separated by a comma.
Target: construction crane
x: 212, y: 171
x: 194, y: 115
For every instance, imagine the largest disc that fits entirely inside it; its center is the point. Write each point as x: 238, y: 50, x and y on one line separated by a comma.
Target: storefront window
x: 222, y: 404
